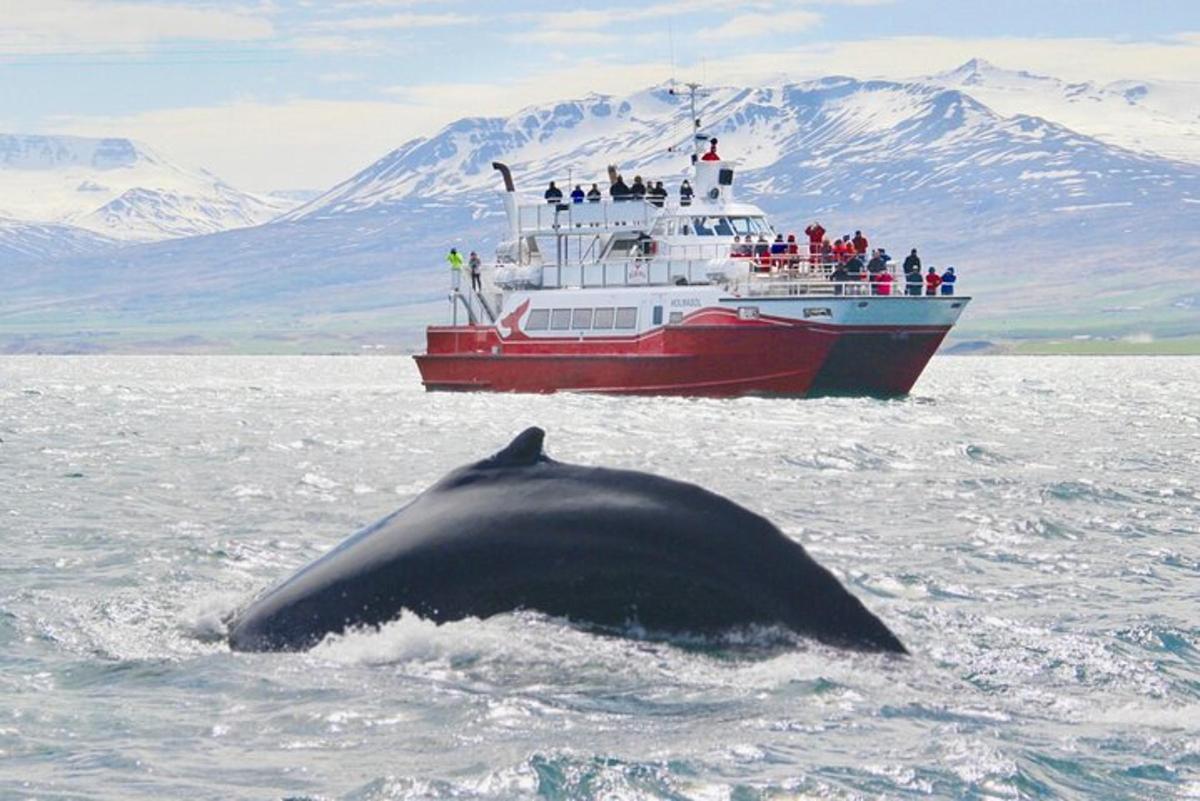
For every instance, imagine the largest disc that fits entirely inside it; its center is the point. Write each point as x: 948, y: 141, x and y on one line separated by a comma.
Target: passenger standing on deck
x: 860, y: 243
x: 912, y: 261
x: 854, y: 268
x: 638, y: 190
x: 685, y: 193
x: 593, y: 194
x: 883, y: 283
x: 793, y: 252
x: 711, y: 155
x: 932, y: 282
x: 553, y: 194
x: 839, y: 276
x: 948, y: 279
x: 657, y: 194
x: 619, y: 190
x: 475, y: 266
x: 913, y: 280
x: 876, y: 265
x: 455, y: 261
x: 577, y: 194
x: 815, y: 234
x: 839, y: 252
x: 827, y: 257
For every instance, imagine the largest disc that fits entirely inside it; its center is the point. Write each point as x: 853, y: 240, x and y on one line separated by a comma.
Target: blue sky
x: 285, y: 95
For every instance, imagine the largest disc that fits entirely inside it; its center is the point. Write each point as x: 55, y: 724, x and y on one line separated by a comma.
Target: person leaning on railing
x: 455, y: 260
x: 839, y: 276
x: 948, y: 279
x: 553, y: 194
x: 619, y: 191
x: 932, y: 282
x: 593, y: 194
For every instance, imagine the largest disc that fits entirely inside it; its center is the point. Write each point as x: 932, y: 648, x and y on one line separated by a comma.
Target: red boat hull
x: 717, y: 357
x: 714, y: 353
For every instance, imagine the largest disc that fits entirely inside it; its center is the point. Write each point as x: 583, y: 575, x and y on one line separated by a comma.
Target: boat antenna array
x: 698, y: 139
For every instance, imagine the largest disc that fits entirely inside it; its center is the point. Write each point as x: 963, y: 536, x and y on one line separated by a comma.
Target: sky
x: 299, y: 94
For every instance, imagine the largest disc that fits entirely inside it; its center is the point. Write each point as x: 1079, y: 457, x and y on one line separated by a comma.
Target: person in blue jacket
x: 948, y: 279
x: 577, y: 194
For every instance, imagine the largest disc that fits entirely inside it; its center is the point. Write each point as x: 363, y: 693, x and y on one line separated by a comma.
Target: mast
x: 697, y: 139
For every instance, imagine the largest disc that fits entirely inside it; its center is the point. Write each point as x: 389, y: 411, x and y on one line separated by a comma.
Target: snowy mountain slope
x: 1053, y: 229
x: 824, y: 145
x: 1161, y: 118
x: 120, y: 189
x: 24, y: 242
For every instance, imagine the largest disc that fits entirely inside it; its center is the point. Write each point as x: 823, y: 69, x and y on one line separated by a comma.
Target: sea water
x: 1027, y: 526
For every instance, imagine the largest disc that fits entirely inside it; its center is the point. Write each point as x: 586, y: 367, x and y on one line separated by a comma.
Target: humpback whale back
x: 594, y: 545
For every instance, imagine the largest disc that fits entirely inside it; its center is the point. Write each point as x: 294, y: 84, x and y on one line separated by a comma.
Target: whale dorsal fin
x: 524, y: 450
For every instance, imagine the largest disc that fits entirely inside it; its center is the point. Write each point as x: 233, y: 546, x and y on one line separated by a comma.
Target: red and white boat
x: 627, y: 296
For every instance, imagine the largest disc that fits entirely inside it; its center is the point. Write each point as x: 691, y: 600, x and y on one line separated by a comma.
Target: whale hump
x: 523, y: 451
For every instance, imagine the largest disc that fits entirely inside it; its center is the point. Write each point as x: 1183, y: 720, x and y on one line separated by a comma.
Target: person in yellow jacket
x: 455, y: 260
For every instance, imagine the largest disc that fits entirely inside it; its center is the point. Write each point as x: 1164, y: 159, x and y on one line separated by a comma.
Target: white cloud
x: 299, y: 144
x: 32, y: 27
x: 397, y: 22
x: 747, y: 27
x: 305, y: 143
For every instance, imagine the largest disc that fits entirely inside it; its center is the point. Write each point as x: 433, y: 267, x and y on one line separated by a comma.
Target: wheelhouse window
x: 603, y: 320
x: 744, y: 226
x: 702, y: 226
x: 538, y: 320
x: 560, y: 320
x: 626, y: 317
x: 623, y: 246
x: 581, y: 319
x: 723, y: 228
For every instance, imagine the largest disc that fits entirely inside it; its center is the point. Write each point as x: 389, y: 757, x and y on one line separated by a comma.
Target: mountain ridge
x: 119, y: 188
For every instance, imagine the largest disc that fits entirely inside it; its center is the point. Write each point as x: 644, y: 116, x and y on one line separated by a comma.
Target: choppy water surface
x: 1027, y: 526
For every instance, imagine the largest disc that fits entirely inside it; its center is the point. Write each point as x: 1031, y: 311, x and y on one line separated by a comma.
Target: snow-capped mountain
x: 32, y: 242
x: 826, y: 146
x: 1055, y: 228
x: 119, y: 188
x: 1158, y: 117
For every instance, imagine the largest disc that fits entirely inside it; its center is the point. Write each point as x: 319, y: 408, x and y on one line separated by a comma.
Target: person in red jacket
x: 883, y: 283
x: 815, y: 234
x: 711, y: 155
x: 860, y: 243
x: 932, y: 282
x: 827, y: 258
x: 839, y: 252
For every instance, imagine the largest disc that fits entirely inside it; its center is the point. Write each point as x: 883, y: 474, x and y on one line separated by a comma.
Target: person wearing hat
x: 948, y: 279
x: 932, y: 282
x: 711, y: 155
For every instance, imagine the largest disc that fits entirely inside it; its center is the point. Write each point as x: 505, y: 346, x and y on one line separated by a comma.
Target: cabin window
x: 538, y: 320
x: 622, y: 246
x: 560, y: 320
x: 702, y: 227
x: 581, y: 318
x: 626, y: 317
x: 658, y: 315
x: 723, y: 228
x: 603, y: 318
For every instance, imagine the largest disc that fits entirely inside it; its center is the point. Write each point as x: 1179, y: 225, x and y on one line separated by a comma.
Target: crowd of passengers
x: 652, y: 192
x: 843, y: 260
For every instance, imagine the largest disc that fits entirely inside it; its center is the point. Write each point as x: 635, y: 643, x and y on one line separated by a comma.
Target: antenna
x: 698, y: 139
